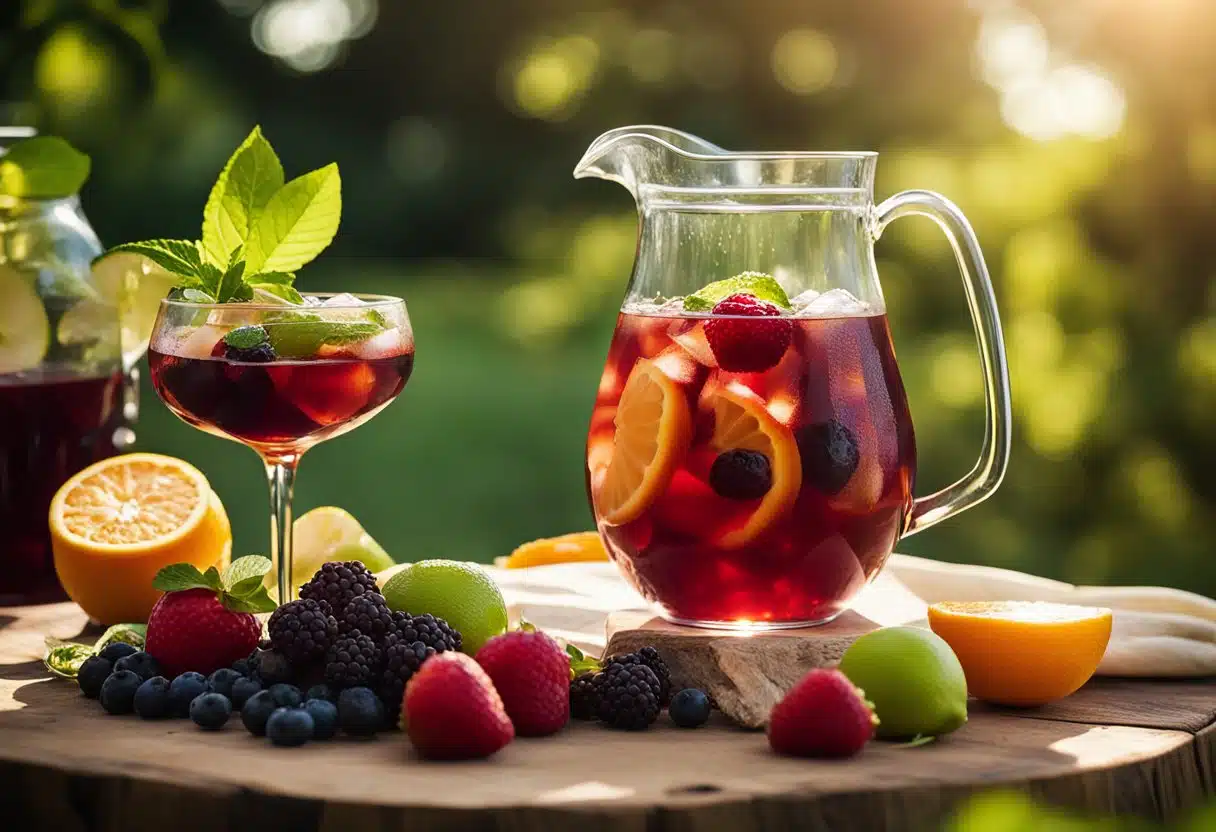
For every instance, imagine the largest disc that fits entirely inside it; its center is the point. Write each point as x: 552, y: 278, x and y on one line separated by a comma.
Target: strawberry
x: 532, y: 675
x: 205, y: 620
x: 451, y: 710
x: 823, y: 715
x: 743, y: 346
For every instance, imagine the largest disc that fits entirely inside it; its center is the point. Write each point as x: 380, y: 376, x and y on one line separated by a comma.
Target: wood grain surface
x: 1138, y: 747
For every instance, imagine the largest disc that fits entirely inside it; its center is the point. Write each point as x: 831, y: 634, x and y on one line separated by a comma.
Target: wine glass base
x: 744, y: 626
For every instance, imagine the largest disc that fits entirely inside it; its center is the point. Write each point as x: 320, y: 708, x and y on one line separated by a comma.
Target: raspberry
x: 747, y: 346
x: 302, y: 630
x: 823, y: 715
x: 531, y: 672
x: 369, y: 615
x: 452, y: 711
x: 338, y: 582
x: 829, y: 455
x: 739, y: 474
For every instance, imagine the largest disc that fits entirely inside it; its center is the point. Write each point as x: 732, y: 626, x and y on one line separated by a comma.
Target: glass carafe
x: 751, y: 459
x: 65, y: 401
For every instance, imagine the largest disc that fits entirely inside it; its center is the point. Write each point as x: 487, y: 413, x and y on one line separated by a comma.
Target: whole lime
x: 913, y: 679
x: 460, y: 593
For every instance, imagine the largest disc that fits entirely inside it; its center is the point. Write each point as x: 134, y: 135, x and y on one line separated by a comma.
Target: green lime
x: 913, y: 679
x: 365, y: 550
x: 758, y: 284
x: 460, y: 593
x: 330, y: 533
x: 134, y: 284
x: 25, y: 331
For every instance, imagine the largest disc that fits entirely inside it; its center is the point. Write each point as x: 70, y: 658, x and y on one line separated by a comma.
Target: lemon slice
x: 743, y: 421
x: 653, y: 429
x: 130, y: 282
x: 330, y: 533
x: 576, y: 547
x: 25, y: 331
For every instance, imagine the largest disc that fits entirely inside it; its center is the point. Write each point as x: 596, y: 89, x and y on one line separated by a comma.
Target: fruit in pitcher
x: 452, y: 711
x: 653, y: 429
x: 829, y: 455
x: 531, y: 672
x: 115, y: 524
x: 823, y: 715
x: 1023, y: 653
x: 747, y: 346
x: 460, y: 593
x: 912, y: 678
x: 742, y: 422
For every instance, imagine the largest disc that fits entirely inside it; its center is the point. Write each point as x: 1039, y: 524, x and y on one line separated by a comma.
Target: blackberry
x: 628, y: 696
x: 339, y: 582
x: 401, y: 661
x: 289, y: 727
x: 651, y: 658
x: 303, y: 630
x: 260, y: 354
x: 431, y: 631
x: 248, y: 343
x: 583, y: 702
x: 152, y: 698
x: 353, y: 660
x: 93, y: 674
x: 739, y: 474
x: 829, y: 455
x: 369, y: 615
x: 270, y: 667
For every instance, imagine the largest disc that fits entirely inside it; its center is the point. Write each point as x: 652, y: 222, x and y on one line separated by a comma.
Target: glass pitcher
x: 65, y: 401
x: 751, y: 458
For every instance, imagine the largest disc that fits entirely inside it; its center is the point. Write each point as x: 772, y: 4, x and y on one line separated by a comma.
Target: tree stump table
x: 1140, y: 747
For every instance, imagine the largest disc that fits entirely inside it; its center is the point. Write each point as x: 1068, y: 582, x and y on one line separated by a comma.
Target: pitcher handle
x: 984, y: 478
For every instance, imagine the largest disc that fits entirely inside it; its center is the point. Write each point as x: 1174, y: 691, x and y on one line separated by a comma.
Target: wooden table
x: 1117, y: 746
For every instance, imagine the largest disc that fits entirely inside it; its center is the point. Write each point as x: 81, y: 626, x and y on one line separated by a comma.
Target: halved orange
x: 576, y: 547
x: 117, y: 522
x: 742, y: 420
x: 653, y: 429
x: 1020, y: 652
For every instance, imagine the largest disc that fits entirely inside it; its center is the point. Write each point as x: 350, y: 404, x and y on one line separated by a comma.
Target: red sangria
x: 753, y: 464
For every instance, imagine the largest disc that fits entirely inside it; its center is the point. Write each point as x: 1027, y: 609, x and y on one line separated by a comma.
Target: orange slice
x: 1023, y: 653
x: 117, y: 522
x: 577, y: 547
x: 653, y: 429
x: 742, y: 421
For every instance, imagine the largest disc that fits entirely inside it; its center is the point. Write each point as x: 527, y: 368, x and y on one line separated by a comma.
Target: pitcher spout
x: 640, y: 154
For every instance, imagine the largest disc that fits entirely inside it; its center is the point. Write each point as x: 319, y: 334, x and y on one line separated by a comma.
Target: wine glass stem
x: 281, y: 473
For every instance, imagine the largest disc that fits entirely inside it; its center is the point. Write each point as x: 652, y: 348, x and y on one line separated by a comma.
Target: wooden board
x: 64, y: 764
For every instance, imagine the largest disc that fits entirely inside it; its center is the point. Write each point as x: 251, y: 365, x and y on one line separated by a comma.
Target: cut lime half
x: 25, y: 331
x: 137, y: 286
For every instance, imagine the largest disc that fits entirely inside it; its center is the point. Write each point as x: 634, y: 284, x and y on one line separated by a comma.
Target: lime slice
x: 330, y: 533
x: 136, y: 285
x: 762, y: 286
x: 302, y: 339
x: 25, y: 331
x: 460, y: 593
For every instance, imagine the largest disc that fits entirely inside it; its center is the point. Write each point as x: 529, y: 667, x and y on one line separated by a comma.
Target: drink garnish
x: 302, y: 338
x: 41, y: 167
x: 757, y: 284
x: 246, y: 337
x: 257, y: 230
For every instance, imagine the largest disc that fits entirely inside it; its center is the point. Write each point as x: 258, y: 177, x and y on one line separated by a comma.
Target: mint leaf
x: 64, y: 659
x: 281, y: 291
x: 757, y: 284
x: 133, y: 634
x: 301, y: 339
x: 580, y: 662
x: 179, y: 257
x: 244, y: 338
x: 209, y: 279
x: 257, y: 601
x: 179, y: 576
x: 249, y: 568
x: 298, y: 222
x: 42, y: 167
x: 212, y: 578
x: 272, y: 278
x: 231, y: 283
x: 251, y: 177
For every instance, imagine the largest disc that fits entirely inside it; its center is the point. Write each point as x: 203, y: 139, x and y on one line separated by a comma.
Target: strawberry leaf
x: 526, y: 626
x: 244, y: 575
x: 212, y: 578
x: 580, y: 662
x: 179, y: 576
x: 257, y: 601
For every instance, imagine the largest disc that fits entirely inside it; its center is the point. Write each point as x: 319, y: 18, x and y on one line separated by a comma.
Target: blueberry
x: 289, y: 726
x: 829, y: 455
x: 321, y: 691
x: 118, y: 691
x: 116, y: 650
x: 324, y: 718
x: 286, y: 696
x: 140, y: 663
x: 152, y: 698
x: 257, y: 710
x: 242, y: 689
x: 221, y: 681
x: 184, y: 690
x: 93, y: 674
x: 360, y: 712
x: 689, y: 708
x: 242, y: 667
x: 740, y: 474
x: 273, y: 668
x: 210, y: 711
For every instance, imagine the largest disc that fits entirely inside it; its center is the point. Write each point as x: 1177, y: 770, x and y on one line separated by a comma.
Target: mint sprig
x: 239, y: 587
x: 257, y: 230
x: 42, y: 167
x: 302, y: 338
x: 64, y: 658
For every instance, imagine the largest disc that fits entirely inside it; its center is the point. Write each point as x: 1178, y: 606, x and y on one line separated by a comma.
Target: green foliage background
x: 456, y: 126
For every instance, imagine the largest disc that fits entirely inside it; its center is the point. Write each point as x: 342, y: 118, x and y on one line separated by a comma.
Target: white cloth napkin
x: 1157, y: 632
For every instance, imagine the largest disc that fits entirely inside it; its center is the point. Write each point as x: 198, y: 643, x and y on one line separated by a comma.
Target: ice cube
x: 835, y: 303
x: 802, y: 300
x: 690, y: 334
x: 196, y: 342
x: 312, y: 300
x: 388, y: 344
x: 234, y: 314
x: 344, y: 299
x: 343, y: 307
